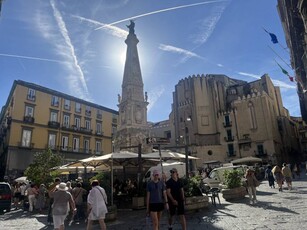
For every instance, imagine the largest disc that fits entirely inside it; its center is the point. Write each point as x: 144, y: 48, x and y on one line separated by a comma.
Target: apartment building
x: 35, y: 118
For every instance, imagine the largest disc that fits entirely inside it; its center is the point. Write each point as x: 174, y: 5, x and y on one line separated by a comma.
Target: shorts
x: 58, y: 220
x: 179, y: 210
x: 156, y: 207
x: 97, y: 216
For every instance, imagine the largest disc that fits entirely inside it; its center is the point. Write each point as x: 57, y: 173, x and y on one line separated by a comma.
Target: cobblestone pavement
x: 274, y: 210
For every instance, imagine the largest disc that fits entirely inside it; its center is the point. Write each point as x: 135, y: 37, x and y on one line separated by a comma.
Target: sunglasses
x: 173, y: 171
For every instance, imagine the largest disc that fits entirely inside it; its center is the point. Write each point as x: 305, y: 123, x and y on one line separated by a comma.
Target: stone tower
x: 132, y: 125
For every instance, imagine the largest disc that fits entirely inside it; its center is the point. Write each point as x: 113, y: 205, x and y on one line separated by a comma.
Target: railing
x: 77, y: 150
x: 99, y: 133
x: 227, y: 124
x: 28, y: 119
x: 88, y: 113
x: 22, y: 145
x: 31, y: 97
x: 54, y: 124
x: 229, y: 139
x: 99, y: 116
x: 231, y: 153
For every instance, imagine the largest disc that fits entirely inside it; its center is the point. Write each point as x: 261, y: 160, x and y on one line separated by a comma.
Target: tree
x: 39, y: 171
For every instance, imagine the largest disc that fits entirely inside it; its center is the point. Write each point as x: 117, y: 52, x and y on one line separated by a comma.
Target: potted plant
x: 195, y: 199
x: 233, y: 187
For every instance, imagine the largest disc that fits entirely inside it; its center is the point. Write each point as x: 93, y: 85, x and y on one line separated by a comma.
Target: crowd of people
x: 63, y: 202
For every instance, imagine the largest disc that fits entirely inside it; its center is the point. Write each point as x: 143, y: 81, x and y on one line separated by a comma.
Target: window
x: 78, y: 107
x: 99, y: 114
x: 53, y: 116
x: 67, y: 104
x: 77, y: 122
x: 75, y: 145
x: 86, y: 145
x: 31, y: 95
x: 260, y: 150
x: 88, y: 110
x: 98, y: 147
x: 229, y: 135
x: 87, y: 124
x: 55, y: 101
x: 98, y: 128
x: 66, y: 121
x: 64, y: 143
x: 231, y: 151
x: 29, y: 111
x: 51, y: 141
x: 26, y: 138
x: 227, y: 120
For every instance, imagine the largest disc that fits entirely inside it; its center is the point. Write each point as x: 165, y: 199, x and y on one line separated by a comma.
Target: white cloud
x: 249, y: 75
x: 173, y: 49
x: 154, y: 95
x: 113, y: 30
x: 208, y: 25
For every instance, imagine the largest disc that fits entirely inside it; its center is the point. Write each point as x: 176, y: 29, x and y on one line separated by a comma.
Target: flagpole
x: 280, y: 58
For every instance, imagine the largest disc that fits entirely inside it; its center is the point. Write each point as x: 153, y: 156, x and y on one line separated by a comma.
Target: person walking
x: 269, y: 176
x: 286, y: 172
x: 31, y: 193
x: 97, y: 205
x: 156, y: 199
x: 57, y: 181
x: 176, y: 199
x: 278, y: 177
x: 61, y: 200
x: 251, y: 183
x: 77, y: 194
x: 41, y: 198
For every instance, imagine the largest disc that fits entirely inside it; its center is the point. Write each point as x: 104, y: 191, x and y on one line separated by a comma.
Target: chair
x: 213, y: 193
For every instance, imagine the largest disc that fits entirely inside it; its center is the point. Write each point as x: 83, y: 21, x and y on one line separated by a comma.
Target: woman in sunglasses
x: 156, y: 199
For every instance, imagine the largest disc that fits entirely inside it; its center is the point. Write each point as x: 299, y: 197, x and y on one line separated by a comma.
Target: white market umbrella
x: 22, y: 179
x: 166, y: 154
x: 246, y: 160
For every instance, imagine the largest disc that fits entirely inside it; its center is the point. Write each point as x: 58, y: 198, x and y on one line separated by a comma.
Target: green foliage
x: 39, y: 171
x: 192, y: 186
x: 233, y: 178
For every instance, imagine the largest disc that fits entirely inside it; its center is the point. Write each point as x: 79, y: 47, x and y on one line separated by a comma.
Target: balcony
x: 88, y: 113
x: 260, y: 154
x: 31, y: 97
x: 25, y: 146
x: 231, y: 153
x: 77, y: 150
x: 114, y: 120
x: 28, y: 119
x: 99, y: 116
x: 99, y: 133
x: 54, y: 124
x: 227, y: 124
x: 85, y: 130
x: 245, y: 140
x: 55, y: 103
x: 229, y: 139
x: 67, y: 107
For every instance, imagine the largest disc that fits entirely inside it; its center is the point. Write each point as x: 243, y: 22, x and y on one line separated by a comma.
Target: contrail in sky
x: 160, y: 11
x: 31, y: 58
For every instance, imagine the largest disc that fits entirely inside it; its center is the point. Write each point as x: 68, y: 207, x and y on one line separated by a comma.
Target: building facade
x: 36, y: 118
x: 222, y: 119
x: 293, y: 15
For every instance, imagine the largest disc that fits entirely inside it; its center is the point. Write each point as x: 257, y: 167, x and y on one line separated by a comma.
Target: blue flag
x: 273, y: 37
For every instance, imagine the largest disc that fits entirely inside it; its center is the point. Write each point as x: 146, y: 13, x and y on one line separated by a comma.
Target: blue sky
x: 77, y: 47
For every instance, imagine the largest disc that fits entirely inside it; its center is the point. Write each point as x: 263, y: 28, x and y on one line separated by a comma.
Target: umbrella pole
x: 112, y: 181
x: 160, y: 155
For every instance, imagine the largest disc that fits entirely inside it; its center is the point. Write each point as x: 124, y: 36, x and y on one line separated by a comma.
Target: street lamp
x: 186, y: 130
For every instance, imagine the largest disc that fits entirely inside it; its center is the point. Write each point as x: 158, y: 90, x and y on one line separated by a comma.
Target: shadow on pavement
x: 268, y: 206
